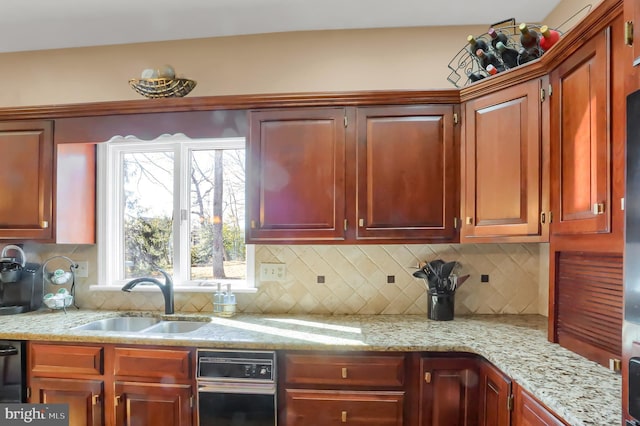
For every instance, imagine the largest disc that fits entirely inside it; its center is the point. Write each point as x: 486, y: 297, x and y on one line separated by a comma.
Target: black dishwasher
x: 12, y: 371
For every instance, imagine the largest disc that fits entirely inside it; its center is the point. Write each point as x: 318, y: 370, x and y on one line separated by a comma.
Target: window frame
x: 110, y: 206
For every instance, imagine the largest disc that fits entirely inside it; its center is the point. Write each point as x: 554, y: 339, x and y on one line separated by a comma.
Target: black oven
x: 236, y: 388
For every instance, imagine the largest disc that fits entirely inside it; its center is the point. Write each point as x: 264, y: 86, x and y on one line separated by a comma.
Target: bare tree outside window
x: 215, y: 212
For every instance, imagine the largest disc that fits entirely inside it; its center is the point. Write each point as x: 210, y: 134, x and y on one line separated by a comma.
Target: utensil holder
x: 440, y: 306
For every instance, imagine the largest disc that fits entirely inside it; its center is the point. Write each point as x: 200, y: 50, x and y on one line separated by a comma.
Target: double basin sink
x: 142, y: 325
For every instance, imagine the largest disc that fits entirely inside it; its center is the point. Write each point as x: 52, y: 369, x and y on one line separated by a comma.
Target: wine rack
x: 466, y: 67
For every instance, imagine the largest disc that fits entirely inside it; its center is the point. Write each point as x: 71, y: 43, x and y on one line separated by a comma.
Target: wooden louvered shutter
x: 589, y: 292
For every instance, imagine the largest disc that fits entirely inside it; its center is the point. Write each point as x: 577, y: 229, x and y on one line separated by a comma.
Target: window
x: 175, y: 204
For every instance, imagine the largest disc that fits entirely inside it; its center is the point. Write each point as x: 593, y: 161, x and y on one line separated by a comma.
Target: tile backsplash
x: 355, y: 280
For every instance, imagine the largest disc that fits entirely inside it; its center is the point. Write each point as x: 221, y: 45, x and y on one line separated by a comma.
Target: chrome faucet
x: 166, y: 288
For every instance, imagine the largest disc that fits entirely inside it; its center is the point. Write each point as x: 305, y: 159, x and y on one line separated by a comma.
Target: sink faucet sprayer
x: 166, y: 288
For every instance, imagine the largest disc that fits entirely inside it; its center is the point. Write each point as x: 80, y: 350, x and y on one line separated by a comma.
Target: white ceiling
x: 47, y: 24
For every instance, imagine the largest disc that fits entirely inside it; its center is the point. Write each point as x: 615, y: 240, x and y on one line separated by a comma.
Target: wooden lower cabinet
x: 85, y: 398
x: 114, y: 385
x: 496, y: 399
x: 531, y: 412
x: 331, y: 407
x: 158, y: 404
x: 324, y: 389
x: 448, y: 391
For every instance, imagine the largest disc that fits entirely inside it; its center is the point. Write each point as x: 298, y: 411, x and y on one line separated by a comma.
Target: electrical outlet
x: 82, y: 271
x: 272, y: 271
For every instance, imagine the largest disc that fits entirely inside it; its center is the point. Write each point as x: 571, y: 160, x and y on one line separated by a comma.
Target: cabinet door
x: 158, y: 404
x: 530, y: 412
x: 84, y: 397
x: 495, y: 397
x: 502, y: 161
x: 407, y: 173
x: 331, y: 407
x: 296, y: 175
x: 26, y: 180
x: 448, y: 392
x: 580, y: 141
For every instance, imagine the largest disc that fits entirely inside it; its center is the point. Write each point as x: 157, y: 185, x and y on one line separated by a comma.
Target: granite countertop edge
x: 582, y: 392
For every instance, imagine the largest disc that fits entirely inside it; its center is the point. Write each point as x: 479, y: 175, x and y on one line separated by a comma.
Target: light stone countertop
x: 580, y: 391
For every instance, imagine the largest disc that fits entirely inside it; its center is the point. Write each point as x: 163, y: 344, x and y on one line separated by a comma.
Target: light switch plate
x: 272, y: 271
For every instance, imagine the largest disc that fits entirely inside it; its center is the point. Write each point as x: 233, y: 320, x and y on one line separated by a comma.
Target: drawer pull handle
x: 344, y: 417
x: 344, y: 372
x: 598, y: 208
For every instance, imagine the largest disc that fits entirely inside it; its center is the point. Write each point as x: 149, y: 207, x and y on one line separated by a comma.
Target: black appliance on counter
x: 236, y: 388
x: 25, y: 294
x: 12, y: 371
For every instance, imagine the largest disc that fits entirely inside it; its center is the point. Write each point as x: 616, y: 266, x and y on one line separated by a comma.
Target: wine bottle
x: 509, y: 56
x: 476, y: 44
x: 525, y: 56
x: 528, y: 37
x: 549, y: 37
x: 475, y: 76
x: 497, y: 37
x: 488, y: 58
x: 492, y: 70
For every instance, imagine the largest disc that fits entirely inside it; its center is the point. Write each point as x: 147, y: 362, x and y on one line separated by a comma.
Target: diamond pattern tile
x: 355, y: 280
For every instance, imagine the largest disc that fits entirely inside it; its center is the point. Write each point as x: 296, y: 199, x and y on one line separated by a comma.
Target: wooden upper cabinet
x: 26, y: 179
x: 503, y: 167
x: 580, y: 141
x: 407, y: 170
x: 296, y: 174
x: 632, y: 61
x: 366, y: 174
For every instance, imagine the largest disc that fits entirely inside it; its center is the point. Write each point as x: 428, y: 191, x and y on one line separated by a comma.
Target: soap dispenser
x: 229, y: 305
x: 218, y: 300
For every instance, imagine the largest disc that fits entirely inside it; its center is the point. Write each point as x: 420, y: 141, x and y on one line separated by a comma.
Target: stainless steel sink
x: 174, y: 327
x: 141, y: 325
x: 119, y: 324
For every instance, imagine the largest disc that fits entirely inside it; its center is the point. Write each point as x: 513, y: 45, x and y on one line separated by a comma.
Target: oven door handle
x: 262, y: 389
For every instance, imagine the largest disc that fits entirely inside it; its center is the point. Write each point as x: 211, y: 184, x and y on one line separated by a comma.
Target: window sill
x: 182, y: 289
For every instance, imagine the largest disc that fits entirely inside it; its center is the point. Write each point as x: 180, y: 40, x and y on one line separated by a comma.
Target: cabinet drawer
x: 354, y: 370
x: 54, y: 360
x: 153, y: 363
x: 325, y: 408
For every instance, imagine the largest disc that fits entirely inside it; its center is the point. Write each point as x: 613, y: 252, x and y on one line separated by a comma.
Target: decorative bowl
x: 162, y: 87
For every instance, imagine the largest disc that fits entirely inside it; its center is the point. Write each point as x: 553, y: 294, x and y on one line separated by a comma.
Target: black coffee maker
x: 23, y: 295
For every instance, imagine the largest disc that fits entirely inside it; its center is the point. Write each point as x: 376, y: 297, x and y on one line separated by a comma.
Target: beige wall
x: 313, y: 61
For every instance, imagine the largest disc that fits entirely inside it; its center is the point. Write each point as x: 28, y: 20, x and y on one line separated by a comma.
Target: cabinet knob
x: 344, y: 417
x: 45, y: 224
x: 253, y: 224
x: 95, y: 399
x: 118, y: 398
x: 469, y: 220
x: 344, y: 372
x: 361, y: 223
